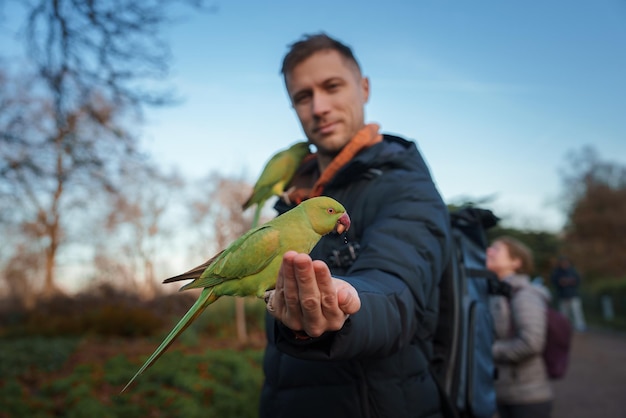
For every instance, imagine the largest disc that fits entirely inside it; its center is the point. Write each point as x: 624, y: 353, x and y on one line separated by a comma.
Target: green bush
x: 121, y: 320
x: 37, y: 381
x: 608, y: 287
x: 23, y: 355
x: 213, y: 383
x: 593, y: 293
x: 79, y: 317
x: 126, y: 316
x: 221, y: 383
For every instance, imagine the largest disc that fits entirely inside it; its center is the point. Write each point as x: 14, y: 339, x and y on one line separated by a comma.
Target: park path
x: 595, y: 384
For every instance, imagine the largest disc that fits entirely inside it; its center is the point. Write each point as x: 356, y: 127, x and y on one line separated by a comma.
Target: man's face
x: 328, y: 94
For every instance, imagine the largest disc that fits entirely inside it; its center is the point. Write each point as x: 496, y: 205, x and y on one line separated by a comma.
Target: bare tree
x: 94, y: 66
x: 47, y: 172
x: 113, y: 270
x: 137, y: 222
x: 217, y: 216
x: 20, y: 273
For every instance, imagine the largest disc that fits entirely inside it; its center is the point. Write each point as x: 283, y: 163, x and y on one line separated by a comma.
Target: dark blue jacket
x: 397, y: 247
x: 566, y: 281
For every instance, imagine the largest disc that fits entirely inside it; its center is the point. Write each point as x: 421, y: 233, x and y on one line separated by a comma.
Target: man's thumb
x: 348, y: 300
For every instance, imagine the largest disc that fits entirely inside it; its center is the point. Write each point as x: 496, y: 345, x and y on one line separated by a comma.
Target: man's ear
x: 365, y: 86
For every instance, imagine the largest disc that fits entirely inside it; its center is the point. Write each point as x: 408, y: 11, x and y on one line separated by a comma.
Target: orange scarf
x: 365, y: 138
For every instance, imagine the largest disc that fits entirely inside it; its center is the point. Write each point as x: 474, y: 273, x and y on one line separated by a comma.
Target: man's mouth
x: 326, y: 128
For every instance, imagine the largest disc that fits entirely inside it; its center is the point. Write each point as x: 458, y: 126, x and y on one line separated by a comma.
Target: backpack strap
x: 447, y: 407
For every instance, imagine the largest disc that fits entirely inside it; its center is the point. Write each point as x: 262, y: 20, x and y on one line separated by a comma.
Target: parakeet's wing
x: 277, y: 166
x: 272, y: 174
x: 244, y: 257
x: 277, y: 173
x: 194, y: 273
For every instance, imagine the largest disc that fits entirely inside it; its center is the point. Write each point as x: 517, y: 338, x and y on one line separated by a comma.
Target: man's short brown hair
x: 309, y: 45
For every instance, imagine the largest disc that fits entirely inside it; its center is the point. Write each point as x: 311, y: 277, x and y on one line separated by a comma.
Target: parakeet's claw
x: 269, y: 298
x: 285, y: 195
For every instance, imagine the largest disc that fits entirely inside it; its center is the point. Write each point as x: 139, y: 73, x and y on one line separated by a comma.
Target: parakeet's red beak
x: 343, y: 224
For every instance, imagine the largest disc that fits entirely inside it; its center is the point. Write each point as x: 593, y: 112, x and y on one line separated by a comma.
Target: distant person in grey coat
x: 566, y: 281
x: 523, y: 389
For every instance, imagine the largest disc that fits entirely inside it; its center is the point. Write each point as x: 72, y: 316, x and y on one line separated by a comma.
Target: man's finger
x: 348, y: 298
x: 280, y: 280
x: 290, y: 313
x: 328, y: 293
x: 290, y: 285
x: 308, y: 292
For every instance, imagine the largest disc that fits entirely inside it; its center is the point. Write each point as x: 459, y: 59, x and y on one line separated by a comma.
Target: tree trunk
x: 152, y: 289
x: 50, y: 287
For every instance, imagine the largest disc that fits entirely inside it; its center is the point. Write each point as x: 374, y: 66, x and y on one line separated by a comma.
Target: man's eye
x: 302, y: 98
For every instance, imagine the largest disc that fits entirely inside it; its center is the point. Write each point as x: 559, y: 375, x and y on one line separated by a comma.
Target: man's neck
x: 323, y: 160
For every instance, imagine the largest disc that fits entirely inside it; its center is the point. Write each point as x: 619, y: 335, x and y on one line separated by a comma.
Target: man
x: 348, y: 332
x: 566, y: 281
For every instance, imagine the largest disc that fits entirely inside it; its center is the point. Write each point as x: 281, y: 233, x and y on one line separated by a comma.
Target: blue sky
x: 494, y: 92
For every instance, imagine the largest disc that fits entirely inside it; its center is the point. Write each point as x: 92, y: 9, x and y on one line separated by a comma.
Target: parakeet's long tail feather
x: 194, y: 273
x: 257, y: 215
x: 248, y: 203
x: 206, y: 298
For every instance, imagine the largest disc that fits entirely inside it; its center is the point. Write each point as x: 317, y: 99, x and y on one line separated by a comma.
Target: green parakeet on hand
x: 276, y: 175
x: 249, y: 265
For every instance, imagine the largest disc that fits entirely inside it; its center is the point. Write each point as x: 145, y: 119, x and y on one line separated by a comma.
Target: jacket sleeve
x: 528, y: 310
x: 405, y: 244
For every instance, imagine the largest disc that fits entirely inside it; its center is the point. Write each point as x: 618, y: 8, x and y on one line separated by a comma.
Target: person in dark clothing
x: 349, y: 327
x: 566, y: 281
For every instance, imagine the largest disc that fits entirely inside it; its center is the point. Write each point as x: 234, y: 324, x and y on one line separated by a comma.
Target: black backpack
x: 462, y: 363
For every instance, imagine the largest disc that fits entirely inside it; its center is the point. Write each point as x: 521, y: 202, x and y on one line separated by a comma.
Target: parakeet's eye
x: 330, y: 211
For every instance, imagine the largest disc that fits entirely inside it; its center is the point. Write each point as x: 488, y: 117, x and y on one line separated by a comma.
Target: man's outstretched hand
x: 307, y: 298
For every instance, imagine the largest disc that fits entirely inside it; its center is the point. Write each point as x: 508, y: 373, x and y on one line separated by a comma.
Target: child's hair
x: 519, y: 250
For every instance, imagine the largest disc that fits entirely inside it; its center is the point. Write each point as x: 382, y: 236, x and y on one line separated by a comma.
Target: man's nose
x: 321, y: 104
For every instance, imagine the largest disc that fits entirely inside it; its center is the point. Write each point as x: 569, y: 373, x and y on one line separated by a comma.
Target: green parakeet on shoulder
x: 249, y: 265
x: 276, y: 174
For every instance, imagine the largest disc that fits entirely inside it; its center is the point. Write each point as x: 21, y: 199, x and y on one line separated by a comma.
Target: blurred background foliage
x: 74, y: 355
